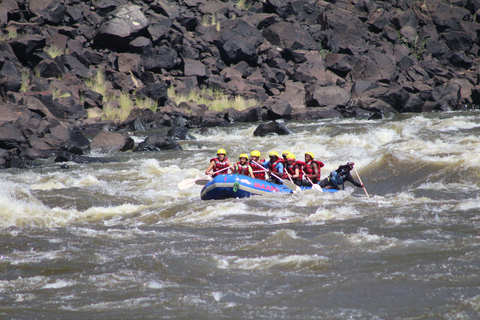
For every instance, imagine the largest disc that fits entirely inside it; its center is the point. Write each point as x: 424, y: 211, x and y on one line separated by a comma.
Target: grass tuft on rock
x: 216, y: 100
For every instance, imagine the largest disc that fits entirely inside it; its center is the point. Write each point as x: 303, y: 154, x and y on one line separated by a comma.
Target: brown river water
x: 120, y: 241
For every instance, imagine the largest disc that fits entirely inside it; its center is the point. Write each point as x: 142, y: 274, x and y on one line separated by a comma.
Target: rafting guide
x: 337, y: 178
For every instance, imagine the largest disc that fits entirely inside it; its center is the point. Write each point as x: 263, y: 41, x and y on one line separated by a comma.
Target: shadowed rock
x: 108, y: 142
x: 271, y: 128
x: 238, y: 41
x: 121, y: 26
x: 10, y: 137
x: 158, y: 143
x: 180, y: 133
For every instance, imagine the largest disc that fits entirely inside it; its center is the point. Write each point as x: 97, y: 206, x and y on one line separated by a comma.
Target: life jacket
x: 256, y: 167
x: 219, y: 165
x: 291, y: 169
x: 309, y: 169
x: 243, y: 169
x: 273, y: 166
x: 336, y: 178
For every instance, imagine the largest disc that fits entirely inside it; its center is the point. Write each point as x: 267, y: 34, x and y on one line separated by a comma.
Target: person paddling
x: 219, y: 163
x: 337, y: 178
x: 275, y: 166
x: 293, y: 170
x: 258, y: 170
x: 243, y: 167
x: 312, y: 169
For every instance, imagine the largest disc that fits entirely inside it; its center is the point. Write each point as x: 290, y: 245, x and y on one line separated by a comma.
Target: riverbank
x: 298, y: 60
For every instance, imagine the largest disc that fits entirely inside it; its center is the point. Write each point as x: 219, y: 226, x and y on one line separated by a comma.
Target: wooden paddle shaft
x: 359, y: 179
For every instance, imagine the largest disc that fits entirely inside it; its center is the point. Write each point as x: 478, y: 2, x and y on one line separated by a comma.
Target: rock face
x: 271, y: 128
x: 61, y: 61
x: 121, y: 26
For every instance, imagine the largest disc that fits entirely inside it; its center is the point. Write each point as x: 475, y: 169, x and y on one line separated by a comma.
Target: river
x: 120, y: 241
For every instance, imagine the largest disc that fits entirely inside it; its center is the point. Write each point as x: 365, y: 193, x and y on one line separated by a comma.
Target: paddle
x: 314, y: 185
x: 188, y: 183
x: 290, y: 185
x: 361, y: 182
x: 204, y: 181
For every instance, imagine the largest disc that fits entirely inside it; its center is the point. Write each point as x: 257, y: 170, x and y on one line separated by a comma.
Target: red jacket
x: 219, y: 165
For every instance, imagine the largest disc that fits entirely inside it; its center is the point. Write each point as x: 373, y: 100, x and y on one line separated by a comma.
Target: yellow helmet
x: 290, y: 156
x: 285, y: 152
x: 221, y: 151
x: 310, y: 154
x: 243, y: 155
x: 273, y: 153
x: 255, y: 153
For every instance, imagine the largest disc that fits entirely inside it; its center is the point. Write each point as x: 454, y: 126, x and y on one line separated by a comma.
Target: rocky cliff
x: 297, y: 59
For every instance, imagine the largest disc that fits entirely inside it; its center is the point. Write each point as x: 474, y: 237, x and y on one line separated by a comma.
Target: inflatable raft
x: 239, y: 186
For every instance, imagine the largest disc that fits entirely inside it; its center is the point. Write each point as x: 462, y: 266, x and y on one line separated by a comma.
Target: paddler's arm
x: 297, y: 173
x: 250, y: 170
x: 350, y: 179
x: 210, y: 168
x: 316, y: 172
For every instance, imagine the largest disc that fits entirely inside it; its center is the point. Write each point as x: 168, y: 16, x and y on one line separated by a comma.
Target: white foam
x: 59, y: 284
x: 334, y: 213
x: 290, y: 262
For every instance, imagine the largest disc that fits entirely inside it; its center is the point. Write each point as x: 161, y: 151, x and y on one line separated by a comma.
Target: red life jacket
x: 256, y: 167
x: 309, y: 169
x: 273, y: 166
x: 291, y: 169
x: 243, y: 169
x: 219, y: 165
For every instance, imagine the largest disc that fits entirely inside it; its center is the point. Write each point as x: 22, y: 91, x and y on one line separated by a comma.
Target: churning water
x: 120, y: 241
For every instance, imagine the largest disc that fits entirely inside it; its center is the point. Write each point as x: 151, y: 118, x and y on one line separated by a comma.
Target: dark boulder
x: 233, y: 115
x: 121, y: 26
x: 376, y: 66
x: 166, y: 8
x: 346, y: 32
x: 213, y: 119
x: 65, y: 156
x: 180, y: 133
x: 447, y: 97
x: 10, y: 136
x: 194, y: 68
x: 271, y: 128
x: 158, y: 143
x: 238, y: 41
x: 108, y: 142
x: 394, y: 96
x: 4, y: 157
x: 24, y: 46
x: 341, y: 64
x: 289, y: 36
x: 68, y: 62
x: 318, y: 96
x: 49, y: 68
x: 316, y: 113
x: 280, y: 110
x: 160, y: 58
x: 50, y: 11
x: 156, y: 91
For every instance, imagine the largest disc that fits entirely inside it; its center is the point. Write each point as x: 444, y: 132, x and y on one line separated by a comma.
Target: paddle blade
x: 290, y: 185
x: 202, y: 182
x: 317, y: 187
x: 185, y: 184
